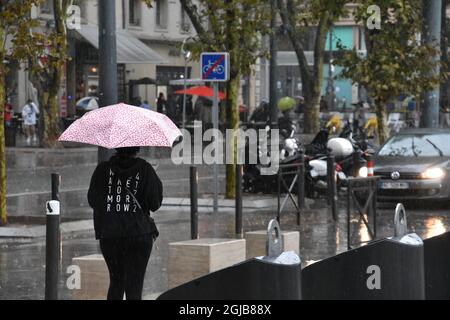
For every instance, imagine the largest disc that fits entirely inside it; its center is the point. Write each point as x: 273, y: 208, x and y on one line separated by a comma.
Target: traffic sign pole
x: 216, y: 128
x: 215, y: 68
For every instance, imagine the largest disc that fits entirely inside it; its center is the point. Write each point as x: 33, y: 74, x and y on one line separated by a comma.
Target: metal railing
x: 295, y: 171
x: 362, y: 201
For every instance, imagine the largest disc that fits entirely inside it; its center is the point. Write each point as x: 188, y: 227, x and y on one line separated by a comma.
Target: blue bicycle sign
x: 214, y: 66
x: 217, y: 70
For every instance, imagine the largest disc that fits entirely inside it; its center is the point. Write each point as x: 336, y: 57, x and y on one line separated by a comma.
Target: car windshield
x: 417, y: 145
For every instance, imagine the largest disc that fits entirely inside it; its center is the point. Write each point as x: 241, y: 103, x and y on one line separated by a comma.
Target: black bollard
x: 332, y: 192
x: 52, y: 242
x: 56, y: 181
x: 194, y: 202
x: 437, y: 267
x: 238, y: 208
x: 301, y: 182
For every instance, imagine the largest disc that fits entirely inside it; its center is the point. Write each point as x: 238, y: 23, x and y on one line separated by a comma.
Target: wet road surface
x: 22, y: 264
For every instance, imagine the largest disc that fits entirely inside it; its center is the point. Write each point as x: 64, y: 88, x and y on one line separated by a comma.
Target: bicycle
x: 218, y: 69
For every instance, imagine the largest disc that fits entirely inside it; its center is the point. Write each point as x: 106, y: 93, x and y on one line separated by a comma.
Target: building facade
x: 148, y: 44
x: 289, y: 81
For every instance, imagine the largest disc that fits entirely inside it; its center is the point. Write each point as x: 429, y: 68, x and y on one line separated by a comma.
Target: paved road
x: 29, y: 189
x: 22, y: 264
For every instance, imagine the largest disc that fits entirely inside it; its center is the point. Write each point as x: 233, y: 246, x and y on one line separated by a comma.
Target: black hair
x: 128, y: 151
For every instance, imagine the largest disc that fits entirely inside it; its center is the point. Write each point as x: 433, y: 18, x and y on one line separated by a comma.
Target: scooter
x: 253, y: 179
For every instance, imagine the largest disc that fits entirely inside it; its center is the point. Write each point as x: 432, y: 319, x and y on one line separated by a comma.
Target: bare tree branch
x: 192, y: 11
x: 287, y: 14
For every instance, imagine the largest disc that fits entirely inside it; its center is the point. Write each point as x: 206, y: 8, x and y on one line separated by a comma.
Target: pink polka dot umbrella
x: 122, y: 125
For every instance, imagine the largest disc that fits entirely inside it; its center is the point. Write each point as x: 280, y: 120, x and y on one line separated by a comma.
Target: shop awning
x: 129, y: 48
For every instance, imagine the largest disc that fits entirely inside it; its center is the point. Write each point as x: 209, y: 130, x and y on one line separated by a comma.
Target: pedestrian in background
x: 171, y: 107
x: 9, y: 112
x: 161, y: 103
x: 29, y: 115
x: 145, y: 105
x: 189, y: 109
x: 206, y: 113
x: 198, y: 109
x: 445, y: 117
x: 300, y: 106
x: 123, y: 191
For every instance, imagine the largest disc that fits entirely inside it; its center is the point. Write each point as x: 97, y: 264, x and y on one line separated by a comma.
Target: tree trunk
x: 50, y: 112
x: 233, y: 123
x: 50, y: 108
x: 311, y: 79
x: 312, y: 112
x: 382, y: 122
x: 3, y: 214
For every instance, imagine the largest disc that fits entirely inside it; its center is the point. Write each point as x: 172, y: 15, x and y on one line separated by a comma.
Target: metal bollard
x: 238, y: 207
x: 400, y: 224
x: 193, y: 182
x: 274, y: 246
x: 56, y: 181
x: 276, y: 276
x: 52, y: 242
x: 437, y: 267
x: 332, y: 192
x: 301, y: 182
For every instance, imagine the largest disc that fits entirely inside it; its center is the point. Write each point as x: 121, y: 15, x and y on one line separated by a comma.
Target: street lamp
x: 187, y: 55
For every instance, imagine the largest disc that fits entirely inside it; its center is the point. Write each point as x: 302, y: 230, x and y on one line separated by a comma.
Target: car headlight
x: 433, y: 173
x: 363, y: 172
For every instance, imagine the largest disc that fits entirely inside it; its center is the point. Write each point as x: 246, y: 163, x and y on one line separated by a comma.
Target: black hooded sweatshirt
x: 116, y: 214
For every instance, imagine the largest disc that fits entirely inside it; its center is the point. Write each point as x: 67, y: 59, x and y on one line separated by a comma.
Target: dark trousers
x: 127, y: 260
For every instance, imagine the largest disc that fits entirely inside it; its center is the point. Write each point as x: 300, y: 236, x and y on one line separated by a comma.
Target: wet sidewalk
x: 22, y: 263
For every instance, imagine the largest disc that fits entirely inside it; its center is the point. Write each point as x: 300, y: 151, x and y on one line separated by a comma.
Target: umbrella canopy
x: 202, y: 91
x: 122, y: 125
x: 87, y: 103
x: 286, y: 103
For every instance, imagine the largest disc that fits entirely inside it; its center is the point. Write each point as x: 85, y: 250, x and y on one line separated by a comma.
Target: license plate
x: 394, y: 185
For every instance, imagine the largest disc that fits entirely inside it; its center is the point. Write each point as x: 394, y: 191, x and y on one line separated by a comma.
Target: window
x: 419, y: 145
x: 47, y: 7
x: 166, y: 73
x: 161, y: 14
x: 134, y: 17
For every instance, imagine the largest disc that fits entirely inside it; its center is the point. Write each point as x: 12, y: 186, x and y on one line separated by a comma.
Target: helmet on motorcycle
x: 340, y: 147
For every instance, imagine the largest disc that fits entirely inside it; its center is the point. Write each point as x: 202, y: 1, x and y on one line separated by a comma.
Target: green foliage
x: 148, y: 3
x: 298, y: 17
x: 233, y: 26
x: 15, y: 22
x: 396, y: 62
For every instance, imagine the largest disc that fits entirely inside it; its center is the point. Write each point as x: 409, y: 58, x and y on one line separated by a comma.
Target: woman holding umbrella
x: 125, y: 189
x: 126, y: 231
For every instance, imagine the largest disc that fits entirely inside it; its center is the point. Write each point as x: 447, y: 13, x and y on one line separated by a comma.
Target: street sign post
x: 215, y: 68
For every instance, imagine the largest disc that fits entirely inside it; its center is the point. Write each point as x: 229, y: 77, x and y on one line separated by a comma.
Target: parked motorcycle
x: 315, y: 168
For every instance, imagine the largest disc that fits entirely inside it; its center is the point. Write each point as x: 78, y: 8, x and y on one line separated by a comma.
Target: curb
x: 223, y: 203
x: 39, y: 231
